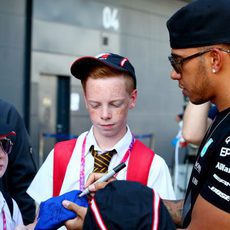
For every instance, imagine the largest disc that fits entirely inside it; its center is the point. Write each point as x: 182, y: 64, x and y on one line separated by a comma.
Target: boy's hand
x: 93, y: 177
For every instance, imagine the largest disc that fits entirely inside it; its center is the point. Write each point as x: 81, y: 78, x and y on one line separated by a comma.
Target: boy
x: 10, y: 215
x: 109, y: 85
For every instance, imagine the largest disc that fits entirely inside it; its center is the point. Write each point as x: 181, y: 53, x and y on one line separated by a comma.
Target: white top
x: 41, y: 187
x: 11, y: 223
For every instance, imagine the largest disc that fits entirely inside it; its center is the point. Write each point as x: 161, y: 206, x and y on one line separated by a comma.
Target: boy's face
x: 108, y: 102
x: 3, y: 161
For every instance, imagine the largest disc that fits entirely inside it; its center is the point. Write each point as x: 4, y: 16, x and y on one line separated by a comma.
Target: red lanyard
x: 82, y: 167
x: 127, y: 154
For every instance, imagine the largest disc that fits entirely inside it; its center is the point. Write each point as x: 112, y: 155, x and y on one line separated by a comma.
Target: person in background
x: 10, y: 215
x: 179, y: 138
x: 21, y: 168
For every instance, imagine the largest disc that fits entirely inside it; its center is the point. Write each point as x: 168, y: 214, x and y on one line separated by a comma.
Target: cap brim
x: 82, y: 66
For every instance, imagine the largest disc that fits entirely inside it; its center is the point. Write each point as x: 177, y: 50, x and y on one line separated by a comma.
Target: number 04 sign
x: 110, y: 18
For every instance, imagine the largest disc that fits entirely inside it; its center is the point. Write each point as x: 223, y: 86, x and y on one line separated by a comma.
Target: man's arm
x: 175, y: 209
x: 195, y: 122
x: 207, y: 216
x: 76, y: 223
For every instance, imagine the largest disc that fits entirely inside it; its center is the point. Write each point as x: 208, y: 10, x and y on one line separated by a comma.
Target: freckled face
x: 108, y: 102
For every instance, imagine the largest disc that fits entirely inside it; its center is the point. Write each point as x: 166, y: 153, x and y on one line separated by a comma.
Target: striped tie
x: 101, y: 161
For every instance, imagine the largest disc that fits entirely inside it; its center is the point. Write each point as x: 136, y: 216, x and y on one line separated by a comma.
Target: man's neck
x: 222, y: 96
x: 222, y: 104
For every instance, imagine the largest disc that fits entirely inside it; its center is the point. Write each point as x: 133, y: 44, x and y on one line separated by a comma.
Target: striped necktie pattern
x: 101, y: 161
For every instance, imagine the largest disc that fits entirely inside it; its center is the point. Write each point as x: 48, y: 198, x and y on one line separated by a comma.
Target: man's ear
x: 216, y: 60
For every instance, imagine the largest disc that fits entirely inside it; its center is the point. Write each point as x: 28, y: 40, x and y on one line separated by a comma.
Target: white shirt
x: 41, y: 187
x: 11, y: 223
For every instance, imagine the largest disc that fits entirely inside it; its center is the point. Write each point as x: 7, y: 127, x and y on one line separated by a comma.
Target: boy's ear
x: 133, y: 100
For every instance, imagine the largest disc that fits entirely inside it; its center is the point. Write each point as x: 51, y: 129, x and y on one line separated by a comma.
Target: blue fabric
x: 52, y: 214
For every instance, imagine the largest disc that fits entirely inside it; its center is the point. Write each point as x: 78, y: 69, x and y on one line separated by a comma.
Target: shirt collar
x: 121, y: 146
x: 2, y: 201
x: 90, y: 140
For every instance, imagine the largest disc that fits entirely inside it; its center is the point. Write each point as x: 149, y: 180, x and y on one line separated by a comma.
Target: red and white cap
x: 82, y: 66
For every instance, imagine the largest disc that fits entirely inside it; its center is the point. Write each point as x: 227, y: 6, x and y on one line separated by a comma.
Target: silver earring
x: 213, y: 70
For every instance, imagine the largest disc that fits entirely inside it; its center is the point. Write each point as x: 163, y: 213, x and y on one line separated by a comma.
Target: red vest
x: 140, y: 161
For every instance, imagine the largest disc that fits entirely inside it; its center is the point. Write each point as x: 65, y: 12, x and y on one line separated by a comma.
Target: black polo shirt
x: 211, y: 172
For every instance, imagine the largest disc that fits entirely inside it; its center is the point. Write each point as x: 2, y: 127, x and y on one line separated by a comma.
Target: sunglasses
x: 177, y: 61
x: 6, y: 145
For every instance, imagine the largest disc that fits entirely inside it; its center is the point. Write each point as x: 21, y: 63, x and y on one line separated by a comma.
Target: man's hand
x: 93, y: 187
x: 76, y: 223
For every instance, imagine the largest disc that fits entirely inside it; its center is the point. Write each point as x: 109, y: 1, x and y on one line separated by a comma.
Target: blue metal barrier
x: 59, y: 136
x: 69, y: 136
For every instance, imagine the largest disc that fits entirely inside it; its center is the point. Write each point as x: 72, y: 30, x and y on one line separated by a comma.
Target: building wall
x: 12, y: 52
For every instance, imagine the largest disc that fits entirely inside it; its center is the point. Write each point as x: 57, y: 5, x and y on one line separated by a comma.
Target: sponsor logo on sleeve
x: 197, y: 166
x: 205, y: 148
x: 226, y: 183
x: 194, y: 181
x: 224, y: 152
x: 222, y: 167
x: 219, y: 193
x: 227, y: 140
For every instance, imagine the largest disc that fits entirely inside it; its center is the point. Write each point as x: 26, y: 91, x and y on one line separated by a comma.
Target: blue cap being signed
x: 52, y: 214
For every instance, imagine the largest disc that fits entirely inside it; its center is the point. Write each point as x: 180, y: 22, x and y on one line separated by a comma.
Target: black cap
x: 200, y: 23
x: 82, y: 66
x: 127, y: 205
x: 6, y: 130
